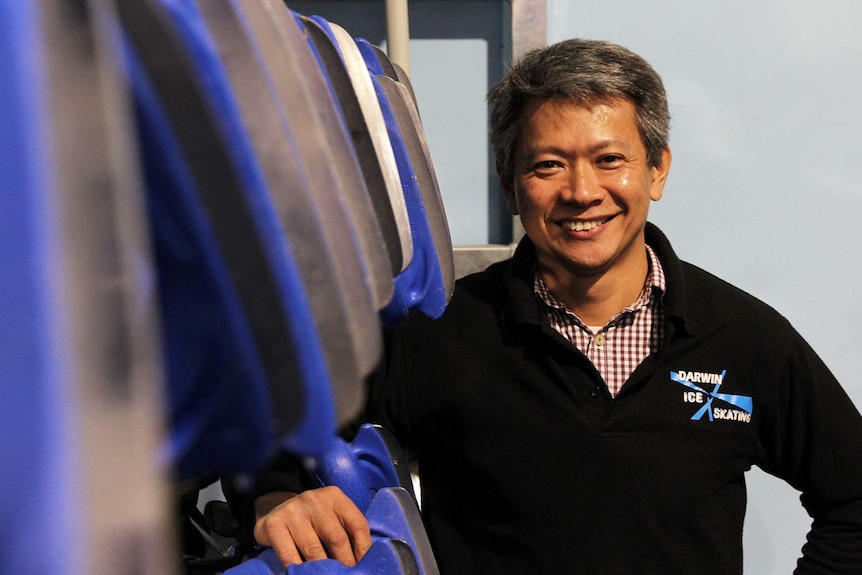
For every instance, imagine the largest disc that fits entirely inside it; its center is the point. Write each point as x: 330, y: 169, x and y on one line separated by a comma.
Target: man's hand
x: 317, y: 524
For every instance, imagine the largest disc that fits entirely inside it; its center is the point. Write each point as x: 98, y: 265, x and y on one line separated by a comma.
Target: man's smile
x: 584, y: 225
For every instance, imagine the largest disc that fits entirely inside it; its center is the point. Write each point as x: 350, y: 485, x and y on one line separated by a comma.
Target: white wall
x: 766, y: 184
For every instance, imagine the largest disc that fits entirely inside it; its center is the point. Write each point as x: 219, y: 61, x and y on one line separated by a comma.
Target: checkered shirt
x: 626, y: 340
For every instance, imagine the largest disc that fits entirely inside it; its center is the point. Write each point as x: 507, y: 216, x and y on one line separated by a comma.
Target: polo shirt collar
x: 523, y: 307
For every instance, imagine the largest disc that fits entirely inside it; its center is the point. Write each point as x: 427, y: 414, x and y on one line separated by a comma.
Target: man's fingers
x: 336, y: 540
x: 309, y: 545
x: 294, y: 538
x: 342, y: 527
x: 318, y: 524
x: 356, y: 526
x: 270, y: 532
x: 287, y: 552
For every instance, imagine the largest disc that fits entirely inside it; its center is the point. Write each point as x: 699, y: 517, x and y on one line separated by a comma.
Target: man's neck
x: 596, y: 298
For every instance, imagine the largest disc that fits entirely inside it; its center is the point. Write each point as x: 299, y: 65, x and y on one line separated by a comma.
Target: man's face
x: 582, y: 187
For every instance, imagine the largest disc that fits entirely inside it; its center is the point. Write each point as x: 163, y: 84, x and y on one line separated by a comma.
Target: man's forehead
x: 555, y: 125
x: 549, y: 114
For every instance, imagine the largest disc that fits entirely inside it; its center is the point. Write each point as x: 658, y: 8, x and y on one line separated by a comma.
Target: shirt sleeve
x: 386, y: 406
x: 389, y: 388
x: 813, y: 440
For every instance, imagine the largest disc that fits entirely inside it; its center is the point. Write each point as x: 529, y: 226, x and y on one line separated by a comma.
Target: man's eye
x: 610, y: 159
x: 546, y: 165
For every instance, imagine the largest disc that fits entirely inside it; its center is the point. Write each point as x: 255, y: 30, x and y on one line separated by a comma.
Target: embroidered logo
x: 740, y: 405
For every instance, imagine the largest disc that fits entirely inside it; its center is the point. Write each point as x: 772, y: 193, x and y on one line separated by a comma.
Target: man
x: 592, y: 404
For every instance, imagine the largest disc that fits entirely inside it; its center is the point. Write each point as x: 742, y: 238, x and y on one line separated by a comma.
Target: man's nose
x: 582, y: 186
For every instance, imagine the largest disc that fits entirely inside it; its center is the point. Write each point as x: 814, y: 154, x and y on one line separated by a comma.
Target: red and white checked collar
x: 618, y: 347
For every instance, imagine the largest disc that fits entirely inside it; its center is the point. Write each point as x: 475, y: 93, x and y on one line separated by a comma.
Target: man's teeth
x: 581, y: 226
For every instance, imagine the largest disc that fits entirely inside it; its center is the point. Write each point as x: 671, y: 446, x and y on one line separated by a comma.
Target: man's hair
x: 588, y: 72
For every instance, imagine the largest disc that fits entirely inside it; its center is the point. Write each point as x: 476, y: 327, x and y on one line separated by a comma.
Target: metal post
x: 398, y: 33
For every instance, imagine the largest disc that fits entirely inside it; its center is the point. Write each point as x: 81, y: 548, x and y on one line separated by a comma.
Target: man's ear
x: 659, y: 175
x: 508, y: 186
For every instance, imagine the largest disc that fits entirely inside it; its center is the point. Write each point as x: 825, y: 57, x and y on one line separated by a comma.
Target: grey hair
x: 587, y: 72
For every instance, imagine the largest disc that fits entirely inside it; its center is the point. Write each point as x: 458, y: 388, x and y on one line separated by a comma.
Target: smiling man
x: 583, y: 196
x: 592, y: 404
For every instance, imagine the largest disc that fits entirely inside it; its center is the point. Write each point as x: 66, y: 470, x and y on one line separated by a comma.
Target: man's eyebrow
x: 539, y: 150
x: 558, y: 150
x: 607, y: 143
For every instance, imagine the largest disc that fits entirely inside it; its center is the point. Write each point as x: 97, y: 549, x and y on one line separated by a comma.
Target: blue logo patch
x: 696, y: 381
